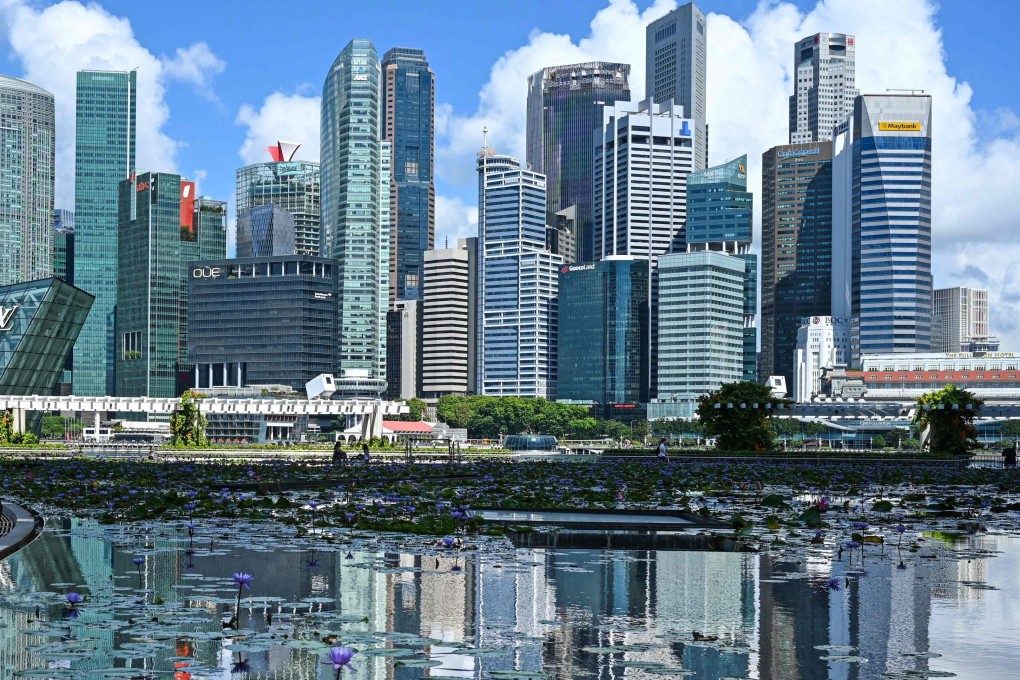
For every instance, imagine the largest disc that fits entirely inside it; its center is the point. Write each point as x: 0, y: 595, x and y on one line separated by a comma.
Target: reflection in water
x: 503, y: 610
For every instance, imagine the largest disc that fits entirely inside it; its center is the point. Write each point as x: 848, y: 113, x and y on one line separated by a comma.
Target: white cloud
x: 55, y: 42
x: 195, y: 64
x: 454, y: 220
x: 287, y: 117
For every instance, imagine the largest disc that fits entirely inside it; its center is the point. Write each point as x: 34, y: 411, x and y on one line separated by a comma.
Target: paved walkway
x: 18, y: 528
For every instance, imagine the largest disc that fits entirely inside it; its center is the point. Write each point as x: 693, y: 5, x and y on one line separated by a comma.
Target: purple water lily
x: 139, y: 561
x: 243, y: 580
x: 340, y: 658
x: 449, y: 542
x: 74, y: 599
x: 833, y: 583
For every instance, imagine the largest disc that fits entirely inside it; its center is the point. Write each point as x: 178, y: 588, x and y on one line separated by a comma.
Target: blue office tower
x: 409, y: 126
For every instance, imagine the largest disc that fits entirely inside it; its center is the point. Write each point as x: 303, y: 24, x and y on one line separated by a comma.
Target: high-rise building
x: 719, y: 218
x: 282, y: 312
x: 881, y: 223
x: 27, y: 152
x: 823, y: 86
x: 265, y: 231
x: 104, y: 154
x: 960, y: 319
x: 643, y: 155
x: 517, y: 282
x: 561, y: 235
x: 822, y: 342
x: 676, y: 56
x: 449, y: 312
x: 402, y: 356
x: 565, y: 114
x: 63, y: 244
x: 409, y: 126
x: 291, y: 185
x: 355, y: 205
x: 604, y: 343
x: 796, y: 248
x: 163, y: 230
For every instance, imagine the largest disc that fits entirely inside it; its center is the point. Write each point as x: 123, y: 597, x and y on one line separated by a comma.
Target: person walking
x: 364, y: 451
x: 663, y: 452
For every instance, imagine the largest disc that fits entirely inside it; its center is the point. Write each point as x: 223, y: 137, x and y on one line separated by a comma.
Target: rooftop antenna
x: 446, y: 242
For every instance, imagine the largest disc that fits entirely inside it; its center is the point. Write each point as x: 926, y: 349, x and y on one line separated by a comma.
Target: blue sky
x: 204, y: 63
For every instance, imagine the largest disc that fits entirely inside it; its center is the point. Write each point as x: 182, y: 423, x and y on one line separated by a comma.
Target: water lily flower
x: 339, y: 658
x: 860, y: 526
x: 74, y: 599
x: 900, y: 528
x: 449, y: 542
x: 243, y: 580
x: 833, y: 583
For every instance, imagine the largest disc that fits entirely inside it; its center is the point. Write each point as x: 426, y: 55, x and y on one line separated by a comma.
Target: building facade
x: 409, y: 127
x: 796, y: 249
x: 604, y: 340
x: 882, y: 216
x: 161, y: 233
x: 824, y: 66
x: 991, y: 376
x: 643, y: 156
x: 293, y: 186
x: 104, y: 155
x: 63, y: 244
x: 822, y: 342
x: 402, y: 354
x: 565, y: 111
x: 449, y: 312
x: 262, y: 321
x: 27, y: 155
x: 959, y: 319
x: 517, y: 282
x: 355, y: 206
x: 266, y: 231
x: 676, y: 58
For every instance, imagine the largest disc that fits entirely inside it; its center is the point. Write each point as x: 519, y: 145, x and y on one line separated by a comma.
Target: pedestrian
x: 338, y: 452
x: 364, y: 451
x: 663, y: 454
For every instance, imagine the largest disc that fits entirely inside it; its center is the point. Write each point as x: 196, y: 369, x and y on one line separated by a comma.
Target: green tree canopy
x: 949, y: 412
x: 735, y: 428
x: 187, y: 424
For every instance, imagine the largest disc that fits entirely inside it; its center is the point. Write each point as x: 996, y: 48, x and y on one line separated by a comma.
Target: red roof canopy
x: 406, y: 426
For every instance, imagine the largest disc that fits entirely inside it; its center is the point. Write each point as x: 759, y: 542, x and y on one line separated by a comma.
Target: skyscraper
x: 449, y: 310
x: 63, y: 244
x: 291, y: 185
x: 355, y: 205
x: 104, y: 155
x: 960, y: 318
x: 565, y: 116
x: 265, y: 231
x: 409, y: 126
x: 796, y: 248
x: 163, y: 229
x: 675, y: 68
x: 823, y: 86
x: 643, y: 155
x: 27, y: 148
x: 881, y: 217
x: 518, y: 284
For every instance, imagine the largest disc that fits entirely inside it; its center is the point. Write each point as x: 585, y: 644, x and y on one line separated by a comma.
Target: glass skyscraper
x: 163, y: 229
x: 27, y: 148
x: 409, y: 126
x: 63, y: 244
x: 265, y: 231
x: 294, y: 187
x: 104, y: 155
x: 603, y: 333
x: 565, y: 105
x: 518, y: 282
x: 355, y: 205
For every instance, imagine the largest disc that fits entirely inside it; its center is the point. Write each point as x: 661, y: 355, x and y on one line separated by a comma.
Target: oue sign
x: 205, y: 272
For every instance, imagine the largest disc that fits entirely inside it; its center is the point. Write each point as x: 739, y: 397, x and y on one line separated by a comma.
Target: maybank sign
x: 898, y: 126
x: 565, y: 269
x: 797, y: 153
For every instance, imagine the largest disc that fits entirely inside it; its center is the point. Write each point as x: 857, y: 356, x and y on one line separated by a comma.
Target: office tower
x: 291, y: 185
x: 63, y: 244
x: 643, y: 155
x: 881, y: 223
x: 282, y: 312
x: 449, y: 311
x: 822, y: 342
x: 565, y: 114
x: 27, y: 148
x: 104, y: 154
x: 355, y: 206
x: 163, y: 230
x: 796, y: 248
x: 517, y: 277
x: 719, y: 214
x: 675, y: 63
x: 409, y: 126
x: 561, y: 235
x: 402, y: 374
x: 960, y: 319
x: 604, y: 338
x: 265, y: 231
x: 823, y: 86
x: 701, y: 327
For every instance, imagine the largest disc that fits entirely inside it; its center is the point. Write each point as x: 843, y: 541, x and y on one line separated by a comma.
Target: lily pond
x: 892, y: 573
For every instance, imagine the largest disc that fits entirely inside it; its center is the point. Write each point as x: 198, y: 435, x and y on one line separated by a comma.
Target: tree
x: 1010, y: 430
x: 416, y: 411
x: 948, y: 414
x: 737, y: 416
x: 879, y: 442
x: 6, y: 427
x: 187, y: 424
